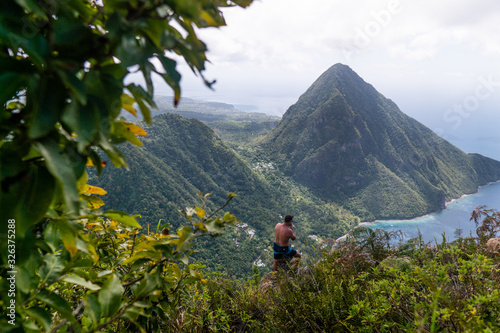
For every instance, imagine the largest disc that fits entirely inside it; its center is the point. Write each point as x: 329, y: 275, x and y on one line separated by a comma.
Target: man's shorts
x: 280, y: 251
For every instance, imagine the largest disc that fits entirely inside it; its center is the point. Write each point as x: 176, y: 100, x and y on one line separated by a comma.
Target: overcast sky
x: 438, y: 60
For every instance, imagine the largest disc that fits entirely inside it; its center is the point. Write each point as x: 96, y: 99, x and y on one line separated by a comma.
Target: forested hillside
x: 182, y: 156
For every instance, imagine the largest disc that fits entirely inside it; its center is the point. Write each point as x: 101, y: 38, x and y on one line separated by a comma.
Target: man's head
x: 288, y: 219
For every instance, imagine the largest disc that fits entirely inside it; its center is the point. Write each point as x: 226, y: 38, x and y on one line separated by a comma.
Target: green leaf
x: 185, y: 236
x: 41, y: 316
x: 68, y: 236
x: 36, y: 46
x: 74, y: 279
x: 177, y: 271
x: 35, y: 198
x: 11, y: 83
x: 23, y: 279
x: 123, y: 218
x: 146, y: 70
x: 84, y: 121
x: 211, y: 19
x: 104, y: 273
x: 243, y: 3
x: 61, y: 167
x: 113, y: 153
x: 51, y: 269
x: 33, y: 7
x: 56, y: 302
x: 51, y: 237
x: 84, y: 11
x: 158, y: 226
x: 75, y: 85
x: 171, y: 76
x: 96, y: 159
x: 110, y: 296
x: 132, y: 313
x: 147, y: 285
x: 142, y: 97
x: 93, y: 308
x: 141, y: 255
x: 214, y: 226
x: 48, y: 101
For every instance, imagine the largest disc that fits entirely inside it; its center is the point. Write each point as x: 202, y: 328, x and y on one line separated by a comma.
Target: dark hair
x: 288, y: 218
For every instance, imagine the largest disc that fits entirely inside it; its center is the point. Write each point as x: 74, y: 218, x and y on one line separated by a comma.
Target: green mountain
x: 181, y: 156
x: 351, y: 145
x: 342, y: 152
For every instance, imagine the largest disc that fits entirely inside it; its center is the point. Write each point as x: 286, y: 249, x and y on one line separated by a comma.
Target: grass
x: 369, y: 283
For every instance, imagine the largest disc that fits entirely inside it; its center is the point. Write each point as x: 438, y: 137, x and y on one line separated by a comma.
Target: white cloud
x: 293, y: 34
x: 278, y: 47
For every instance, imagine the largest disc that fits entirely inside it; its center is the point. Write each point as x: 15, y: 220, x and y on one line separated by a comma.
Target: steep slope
x: 350, y: 144
x: 181, y: 156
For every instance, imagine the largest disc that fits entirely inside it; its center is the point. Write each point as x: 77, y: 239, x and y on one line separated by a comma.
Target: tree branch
x: 63, y: 322
x: 218, y: 209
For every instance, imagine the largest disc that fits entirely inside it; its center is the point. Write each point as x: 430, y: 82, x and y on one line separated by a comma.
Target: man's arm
x: 292, y: 233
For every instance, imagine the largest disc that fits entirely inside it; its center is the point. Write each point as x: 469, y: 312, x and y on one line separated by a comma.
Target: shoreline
x: 423, y: 216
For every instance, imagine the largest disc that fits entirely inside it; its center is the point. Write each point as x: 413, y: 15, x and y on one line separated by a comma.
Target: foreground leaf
x: 123, y: 218
x: 110, y: 296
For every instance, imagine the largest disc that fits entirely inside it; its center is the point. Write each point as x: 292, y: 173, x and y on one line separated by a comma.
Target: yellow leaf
x: 130, y: 109
x: 92, y: 252
x: 127, y: 104
x: 89, y: 189
x: 136, y: 129
x: 145, y: 246
x: 209, y: 20
x: 93, y: 202
x: 200, y: 212
x: 90, y: 163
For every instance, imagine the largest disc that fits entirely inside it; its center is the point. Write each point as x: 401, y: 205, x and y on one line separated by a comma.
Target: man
x: 283, y: 233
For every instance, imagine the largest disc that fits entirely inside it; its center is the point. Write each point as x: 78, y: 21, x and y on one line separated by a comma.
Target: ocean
x: 456, y: 216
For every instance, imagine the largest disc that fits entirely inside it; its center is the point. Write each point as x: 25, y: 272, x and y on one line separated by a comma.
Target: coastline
x: 466, y: 195
x: 423, y: 216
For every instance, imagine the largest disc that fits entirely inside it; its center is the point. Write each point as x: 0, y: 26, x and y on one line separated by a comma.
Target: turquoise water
x: 455, y: 216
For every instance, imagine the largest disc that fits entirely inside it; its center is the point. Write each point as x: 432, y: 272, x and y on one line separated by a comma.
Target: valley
x: 342, y: 154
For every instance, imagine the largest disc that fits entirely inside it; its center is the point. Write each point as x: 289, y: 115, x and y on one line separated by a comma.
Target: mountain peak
x: 340, y: 68
x: 352, y: 145
x: 338, y: 73
x: 338, y: 80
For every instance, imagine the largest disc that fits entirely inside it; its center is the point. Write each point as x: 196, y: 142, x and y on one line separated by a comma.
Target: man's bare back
x: 283, y: 234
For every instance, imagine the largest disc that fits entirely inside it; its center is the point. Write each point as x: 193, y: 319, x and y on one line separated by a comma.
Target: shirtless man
x: 284, y: 232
